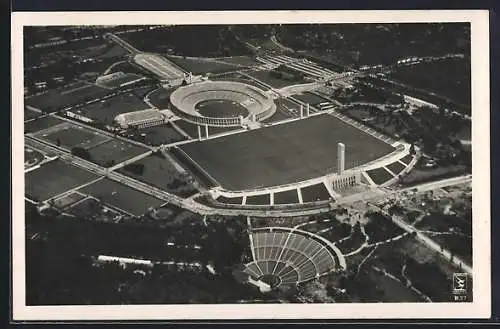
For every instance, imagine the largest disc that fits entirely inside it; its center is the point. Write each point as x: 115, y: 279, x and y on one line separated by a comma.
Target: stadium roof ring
x: 287, y: 256
x: 257, y: 102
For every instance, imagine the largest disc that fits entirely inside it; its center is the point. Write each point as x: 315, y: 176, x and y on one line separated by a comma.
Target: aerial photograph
x: 247, y: 164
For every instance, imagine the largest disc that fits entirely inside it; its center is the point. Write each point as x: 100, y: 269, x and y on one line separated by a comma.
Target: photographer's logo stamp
x: 459, y: 287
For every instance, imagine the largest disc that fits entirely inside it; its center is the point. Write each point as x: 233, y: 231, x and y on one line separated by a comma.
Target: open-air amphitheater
x: 286, y: 256
x: 258, y: 103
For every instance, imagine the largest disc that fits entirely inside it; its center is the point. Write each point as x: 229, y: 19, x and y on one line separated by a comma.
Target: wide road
x: 459, y: 263
x: 122, y: 43
x: 201, y: 209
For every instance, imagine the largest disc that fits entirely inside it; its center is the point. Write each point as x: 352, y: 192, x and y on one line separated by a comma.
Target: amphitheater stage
x: 283, y: 154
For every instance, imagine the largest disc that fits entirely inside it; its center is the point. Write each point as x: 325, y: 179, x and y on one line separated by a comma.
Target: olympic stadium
x: 251, y: 103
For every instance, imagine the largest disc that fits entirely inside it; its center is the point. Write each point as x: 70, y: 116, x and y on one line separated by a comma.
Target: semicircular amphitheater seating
x: 291, y: 256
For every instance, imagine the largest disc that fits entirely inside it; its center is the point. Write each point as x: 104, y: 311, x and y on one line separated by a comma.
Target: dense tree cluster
x: 211, y: 40
x: 69, y: 275
x: 377, y: 43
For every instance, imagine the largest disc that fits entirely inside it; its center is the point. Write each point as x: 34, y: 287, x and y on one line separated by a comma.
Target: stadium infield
x: 284, y: 153
x: 220, y: 108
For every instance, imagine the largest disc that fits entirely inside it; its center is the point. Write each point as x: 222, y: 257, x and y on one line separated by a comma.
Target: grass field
x: 261, y: 199
x: 282, y: 154
x: 114, y: 151
x: 267, y: 78
x: 235, y: 200
x: 314, y: 193
x: 41, y: 124
x: 310, y: 98
x: 69, y: 136
x: 121, y: 196
x: 406, y: 159
x: 106, y: 110
x: 30, y: 114
x: 395, y: 167
x: 54, y: 178
x: 161, y: 173
x: 164, y: 134
x: 200, y: 65
x: 221, y: 108
x: 160, y: 98
x: 338, y: 232
x: 57, y: 99
x: 379, y: 175
x: 240, y: 60
x: 286, y: 197
x: 68, y: 200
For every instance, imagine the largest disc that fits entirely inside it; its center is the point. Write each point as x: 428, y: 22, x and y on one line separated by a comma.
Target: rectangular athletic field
x: 285, y: 153
x: 41, y: 124
x: 157, y: 135
x: 114, y: 151
x: 54, y: 178
x: 266, y: 77
x: 69, y: 135
x: 161, y: 173
x: 121, y: 196
x: 57, y: 99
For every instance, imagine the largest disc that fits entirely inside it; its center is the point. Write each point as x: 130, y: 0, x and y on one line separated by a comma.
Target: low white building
x: 140, y: 119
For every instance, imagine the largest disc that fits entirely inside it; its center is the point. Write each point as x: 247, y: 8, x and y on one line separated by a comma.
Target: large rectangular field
x: 41, y: 124
x: 310, y: 98
x: 157, y: 135
x: 268, y: 78
x: 200, y: 65
x: 69, y: 135
x: 285, y: 153
x: 54, y: 178
x: 113, y: 152
x: 57, y: 99
x: 161, y: 173
x: 121, y: 196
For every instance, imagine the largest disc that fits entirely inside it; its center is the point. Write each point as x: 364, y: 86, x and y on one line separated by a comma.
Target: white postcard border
x: 479, y: 308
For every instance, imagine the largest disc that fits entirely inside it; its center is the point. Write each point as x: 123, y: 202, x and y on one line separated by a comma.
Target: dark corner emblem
x: 459, y: 283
